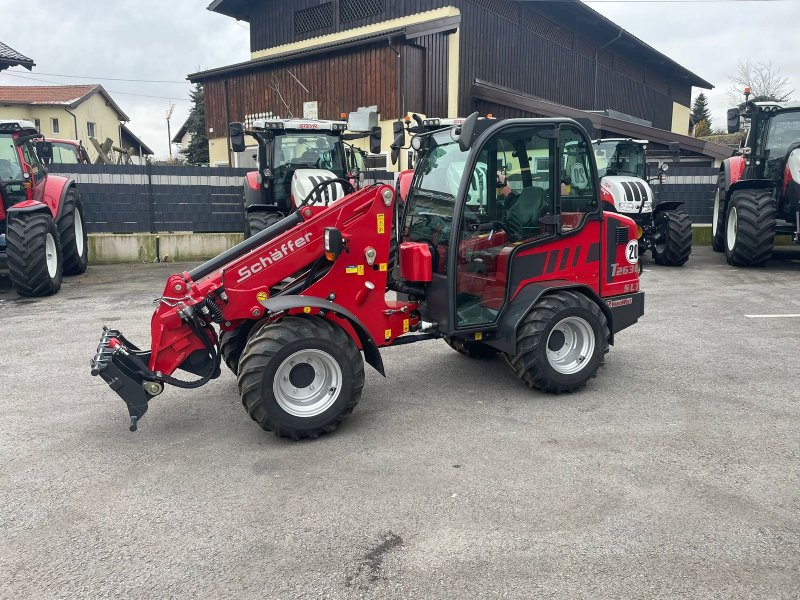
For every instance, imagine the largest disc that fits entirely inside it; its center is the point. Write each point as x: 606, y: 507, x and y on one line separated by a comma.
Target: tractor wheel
x: 750, y: 228
x: 259, y: 221
x: 672, y: 243
x: 34, y: 254
x: 718, y: 217
x: 300, y: 377
x: 232, y: 343
x: 471, y: 348
x: 561, y: 343
x: 74, y: 238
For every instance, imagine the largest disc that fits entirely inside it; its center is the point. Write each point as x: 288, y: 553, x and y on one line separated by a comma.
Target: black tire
x: 269, y: 351
x: 672, y: 243
x: 718, y: 218
x: 28, y: 237
x: 259, y: 221
x: 471, y: 348
x: 73, y: 234
x: 754, y: 215
x: 232, y: 343
x: 531, y: 363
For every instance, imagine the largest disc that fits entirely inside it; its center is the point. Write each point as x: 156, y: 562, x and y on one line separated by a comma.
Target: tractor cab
x: 489, y: 203
x: 21, y: 171
x: 621, y: 157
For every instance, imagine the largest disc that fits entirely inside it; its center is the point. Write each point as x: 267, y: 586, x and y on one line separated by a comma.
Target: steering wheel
x: 317, y: 189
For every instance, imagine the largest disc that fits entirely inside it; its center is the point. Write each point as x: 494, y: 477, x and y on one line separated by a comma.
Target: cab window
x: 578, y: 188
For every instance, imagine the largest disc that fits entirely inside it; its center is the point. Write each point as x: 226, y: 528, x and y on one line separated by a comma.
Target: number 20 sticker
x: 632, y: 252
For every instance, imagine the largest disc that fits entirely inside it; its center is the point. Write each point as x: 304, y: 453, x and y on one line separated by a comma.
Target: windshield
x: 65, y: 154
x: 432, y: 197
x: 311, y: 151
x: 10, y: 167
x: 784, y: 130
x: 619, y: 157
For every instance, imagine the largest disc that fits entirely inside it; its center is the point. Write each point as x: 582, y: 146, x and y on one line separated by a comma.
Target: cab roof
x: 14, y: 125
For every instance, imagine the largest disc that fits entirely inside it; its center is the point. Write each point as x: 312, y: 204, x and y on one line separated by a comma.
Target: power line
x: 174, y: 98
x: 108, y: 78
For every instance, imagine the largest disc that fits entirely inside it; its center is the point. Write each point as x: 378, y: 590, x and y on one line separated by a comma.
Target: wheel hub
x: 732, y: 228
x: 570, y: 345
x: 51, y: 255
x: 307, y: 383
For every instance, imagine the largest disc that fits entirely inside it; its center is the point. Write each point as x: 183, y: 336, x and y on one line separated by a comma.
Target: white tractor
x: 625, y: 189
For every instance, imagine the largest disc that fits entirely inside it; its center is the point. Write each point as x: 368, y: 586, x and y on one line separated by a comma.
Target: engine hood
x: 304, y: 180
x: 628, y: 193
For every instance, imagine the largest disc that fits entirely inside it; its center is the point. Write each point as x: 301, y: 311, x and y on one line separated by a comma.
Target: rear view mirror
x: 399, y: 131
x: 467, y: 131
x: 236, y: 132
x: 733, y: 120
x: 375, y: 141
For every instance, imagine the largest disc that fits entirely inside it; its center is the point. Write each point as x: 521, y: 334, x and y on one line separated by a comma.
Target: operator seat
x: 522, y: 219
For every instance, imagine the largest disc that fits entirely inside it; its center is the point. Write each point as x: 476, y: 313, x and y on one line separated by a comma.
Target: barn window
x: 311, y: 19
x: 352, y: 10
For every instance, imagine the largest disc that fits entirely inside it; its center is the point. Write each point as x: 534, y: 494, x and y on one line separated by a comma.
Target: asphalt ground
x: 674, y: 474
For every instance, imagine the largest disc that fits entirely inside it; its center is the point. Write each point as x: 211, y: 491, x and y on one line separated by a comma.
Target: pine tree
x: 196, y: 152
x: 700, y: 110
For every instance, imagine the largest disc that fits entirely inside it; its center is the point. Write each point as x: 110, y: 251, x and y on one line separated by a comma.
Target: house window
x: 90, y: 129
x: 38, y: 124
x: 54, y: 126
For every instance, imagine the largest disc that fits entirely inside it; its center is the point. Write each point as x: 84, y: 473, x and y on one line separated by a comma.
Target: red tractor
x: 544, y: 279
x: 42, y: 236
x: 293, y: 155
x: 758, y: 189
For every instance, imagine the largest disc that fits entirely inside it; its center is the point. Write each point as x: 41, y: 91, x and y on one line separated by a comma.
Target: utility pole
x: 169, y: 133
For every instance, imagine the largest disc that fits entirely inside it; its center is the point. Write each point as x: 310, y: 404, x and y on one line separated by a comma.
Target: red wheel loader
x: 545, y: 278
x: 42, y: 236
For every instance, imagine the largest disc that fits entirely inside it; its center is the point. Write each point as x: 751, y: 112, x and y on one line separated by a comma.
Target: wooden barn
x: 446, y: 58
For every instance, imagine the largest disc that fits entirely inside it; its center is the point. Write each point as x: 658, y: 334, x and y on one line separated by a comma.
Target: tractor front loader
x: 543, y: 277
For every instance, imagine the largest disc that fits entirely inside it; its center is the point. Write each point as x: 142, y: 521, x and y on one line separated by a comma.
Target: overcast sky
x: 166, y: 40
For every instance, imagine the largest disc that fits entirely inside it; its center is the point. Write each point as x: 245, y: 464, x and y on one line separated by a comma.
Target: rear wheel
x: 300, y: 377
x: 561, y: 343
x: 718, y: 217
x: 74, y: 238
x: 34, y: 254
x: 672, y: 244
x: 259, y: 221
x: 750, y: 227
x: 471, y: 348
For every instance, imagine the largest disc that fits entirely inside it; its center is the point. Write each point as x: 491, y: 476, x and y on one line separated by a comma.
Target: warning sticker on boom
x: 381, y: 223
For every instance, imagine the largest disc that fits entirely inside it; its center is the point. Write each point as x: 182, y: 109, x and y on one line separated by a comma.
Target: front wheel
x: 750, y: 228
x: 34, y: 254
x: 718, y: 217
x: 300, y: 377
x: 561, y: 343
x: 259, y: 221
x: 672, y: 243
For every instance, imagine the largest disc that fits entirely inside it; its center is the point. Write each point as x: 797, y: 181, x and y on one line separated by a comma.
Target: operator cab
x: 20, y: 168
x: 621, y: 157
x: 481, y: 204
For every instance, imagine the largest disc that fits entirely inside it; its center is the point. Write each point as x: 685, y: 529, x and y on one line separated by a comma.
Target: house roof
x: 507, y: 97
x: 178, y: 138
x: 11, y: 58
x: 407, y: 32
x: 574, y: 12
x: 133, y: 141
x: 56, y: 95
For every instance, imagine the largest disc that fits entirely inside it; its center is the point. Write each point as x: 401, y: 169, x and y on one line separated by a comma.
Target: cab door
x: 530, y: 214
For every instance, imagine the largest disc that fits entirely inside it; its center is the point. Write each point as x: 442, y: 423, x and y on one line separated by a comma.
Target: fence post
x: 151, y: 209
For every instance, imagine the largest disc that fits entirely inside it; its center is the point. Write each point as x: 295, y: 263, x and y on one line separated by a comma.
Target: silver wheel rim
x: 715, y: 218
x: 307, y: 383
x: 730, y: 236
x: 51, y: 255
x: 78, y: 232
x: 570, y: 345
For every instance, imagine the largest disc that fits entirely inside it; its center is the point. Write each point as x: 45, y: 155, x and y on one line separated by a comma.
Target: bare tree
x: 765, y: 82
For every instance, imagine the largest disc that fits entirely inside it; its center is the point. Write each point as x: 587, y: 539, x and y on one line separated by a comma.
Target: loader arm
x: 235, y: 287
